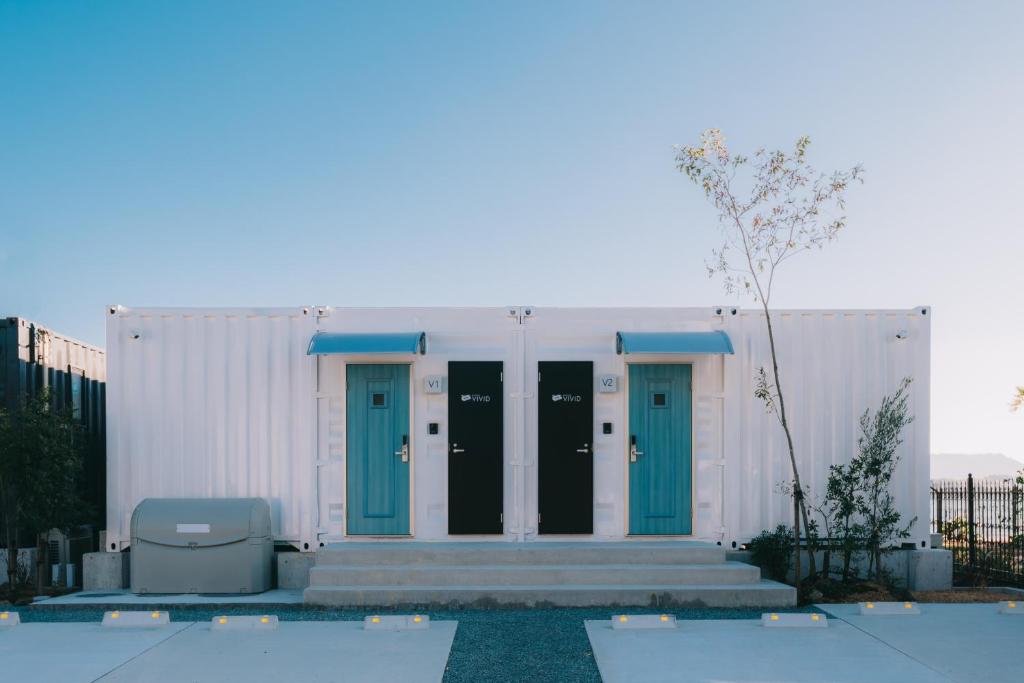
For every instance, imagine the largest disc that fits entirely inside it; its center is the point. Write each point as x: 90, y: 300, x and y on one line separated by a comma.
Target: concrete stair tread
x: 696, y: 566
x: 764, y: 594
x: 495, y: 553
x: 539, y: 573
x: 761, y: 585
x: 510, y: 546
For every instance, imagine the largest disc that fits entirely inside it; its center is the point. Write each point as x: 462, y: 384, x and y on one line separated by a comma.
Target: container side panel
x: 211, y: 404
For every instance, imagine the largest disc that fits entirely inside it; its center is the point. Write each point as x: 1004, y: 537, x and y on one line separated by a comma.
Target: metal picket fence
x: 982, y: 522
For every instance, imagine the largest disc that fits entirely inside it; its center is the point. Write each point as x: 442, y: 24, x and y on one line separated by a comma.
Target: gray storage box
x: 201, y: 545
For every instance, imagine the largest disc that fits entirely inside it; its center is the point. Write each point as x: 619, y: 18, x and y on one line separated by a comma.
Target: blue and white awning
x: 326, y: 343
x: 673, y: 342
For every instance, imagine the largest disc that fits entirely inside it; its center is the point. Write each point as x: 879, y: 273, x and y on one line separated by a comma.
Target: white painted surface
x: 296, y: 651
x: 741, y: 651
x: 74, y: 653
x: 224, y: 402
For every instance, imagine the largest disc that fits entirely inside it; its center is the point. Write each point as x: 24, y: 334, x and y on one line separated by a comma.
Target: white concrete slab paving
x: 742, y: 651
x: 968, y: 643
x: 333, y: 651
x: 277, y: 596
x: 73, y: 653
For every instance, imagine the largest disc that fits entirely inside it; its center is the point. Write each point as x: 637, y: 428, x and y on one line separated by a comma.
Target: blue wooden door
x: 378, y: 449
x: 660, y: 449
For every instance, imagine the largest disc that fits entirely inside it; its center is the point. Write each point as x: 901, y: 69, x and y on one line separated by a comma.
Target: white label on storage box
x: 193, y: 528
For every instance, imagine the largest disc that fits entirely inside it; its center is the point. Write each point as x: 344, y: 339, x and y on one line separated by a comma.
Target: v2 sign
x: 608, y: 384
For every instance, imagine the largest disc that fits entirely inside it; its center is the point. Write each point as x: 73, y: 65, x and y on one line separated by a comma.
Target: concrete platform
x: 190, y: 651
x: 967, y: 643
x: 296, y: 651
x: 125, y: 597
x: 74, y: 653
x: 742, y: 651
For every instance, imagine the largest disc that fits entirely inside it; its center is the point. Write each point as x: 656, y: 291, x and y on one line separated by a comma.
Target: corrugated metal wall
x: 226, y: 403
x: 834, y: 366
x: 211, y: 404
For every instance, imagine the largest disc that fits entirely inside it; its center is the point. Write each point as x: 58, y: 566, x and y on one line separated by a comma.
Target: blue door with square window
x: 660, y: 449
x: 378, y: 449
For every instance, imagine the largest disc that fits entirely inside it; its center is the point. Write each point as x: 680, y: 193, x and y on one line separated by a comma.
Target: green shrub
x: 772, y: 551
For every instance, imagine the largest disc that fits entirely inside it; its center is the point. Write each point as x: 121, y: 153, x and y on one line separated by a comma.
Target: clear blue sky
x: 271, y: 153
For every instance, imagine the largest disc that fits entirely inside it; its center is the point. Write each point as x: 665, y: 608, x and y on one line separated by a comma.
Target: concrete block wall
x: 105, y: 571
x: 111, y: 571
x: 293, y: 569
x: 919, y: 569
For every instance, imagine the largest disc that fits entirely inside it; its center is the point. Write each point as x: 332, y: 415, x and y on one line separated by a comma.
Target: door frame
x: 624, y: 448
x: 375, y: 360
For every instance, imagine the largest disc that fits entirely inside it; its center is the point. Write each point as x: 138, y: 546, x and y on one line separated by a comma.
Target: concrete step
x: 766, y: 594
x: 534, y: 574
x: 413, y: 553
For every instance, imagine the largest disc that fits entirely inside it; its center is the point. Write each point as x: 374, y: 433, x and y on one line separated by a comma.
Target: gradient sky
x: 271, y: 153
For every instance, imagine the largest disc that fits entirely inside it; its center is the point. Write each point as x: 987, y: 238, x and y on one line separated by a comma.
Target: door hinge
x: 501, y: 376
x: 538, y: 378
x: 501, y: 517
x: 538, y: 518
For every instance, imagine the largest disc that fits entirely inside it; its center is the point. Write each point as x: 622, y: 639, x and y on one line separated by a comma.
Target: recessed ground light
x: 264, y: 622
x: 9, y: 619
x: 1011, y: 607
x: 883, y: 609
x: 119, y: 619
x: 776, y: 620
x: 643, y: 621
x: 396, y: 622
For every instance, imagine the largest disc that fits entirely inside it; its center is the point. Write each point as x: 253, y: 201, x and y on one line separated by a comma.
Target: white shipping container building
x: 513, y: 424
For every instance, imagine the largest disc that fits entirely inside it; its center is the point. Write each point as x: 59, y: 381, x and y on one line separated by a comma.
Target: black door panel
x: 475, y: 441
x: 566, y: 434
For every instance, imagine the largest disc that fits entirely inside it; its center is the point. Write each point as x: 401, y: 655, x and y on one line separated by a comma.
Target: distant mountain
x: 981, y: 465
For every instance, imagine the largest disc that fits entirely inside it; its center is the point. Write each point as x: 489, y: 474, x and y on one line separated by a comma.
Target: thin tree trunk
x: 12, y: 555
x: 798, y: 487
x: 796, y: 541
x: 41, y: 553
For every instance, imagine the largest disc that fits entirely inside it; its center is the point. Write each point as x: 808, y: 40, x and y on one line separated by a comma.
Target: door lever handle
x: 457, y: 450
x: 585, y: 449
x: 405, y: 448
x: 633, y: 452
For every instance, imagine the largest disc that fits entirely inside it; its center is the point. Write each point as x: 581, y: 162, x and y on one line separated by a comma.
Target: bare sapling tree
x: 1018, y: 400
x: 771, y: 207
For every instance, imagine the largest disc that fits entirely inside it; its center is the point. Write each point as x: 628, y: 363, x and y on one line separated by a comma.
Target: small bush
x: 772, y: 551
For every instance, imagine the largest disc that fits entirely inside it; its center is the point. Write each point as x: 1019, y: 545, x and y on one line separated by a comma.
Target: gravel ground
x: 535, y: 645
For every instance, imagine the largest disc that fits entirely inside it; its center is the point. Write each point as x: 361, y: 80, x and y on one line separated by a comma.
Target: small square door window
x: 659, y: 399
x: 378, y: 399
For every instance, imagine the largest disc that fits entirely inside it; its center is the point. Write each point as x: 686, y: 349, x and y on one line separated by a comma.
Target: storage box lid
x: 200, y: 521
